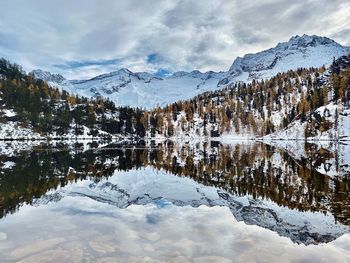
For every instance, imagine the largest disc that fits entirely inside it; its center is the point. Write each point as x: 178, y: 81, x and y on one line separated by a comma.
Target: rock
x: 151, y: 236
x: 109, y: 260
x: 143, y: 259
x: 148, y: 248
x: 179, y: 259
x: 130, y: 248
x: 56, y: 255
x: 212, y: 259
x: 35, y: 247
x: 101, y: 247
x: 3, y: 236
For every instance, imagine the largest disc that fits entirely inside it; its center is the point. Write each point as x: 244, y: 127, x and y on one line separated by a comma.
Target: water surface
x: 204, y: 202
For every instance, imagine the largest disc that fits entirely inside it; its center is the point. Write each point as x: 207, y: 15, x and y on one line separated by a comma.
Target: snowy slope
x: 145, y: 90
x: 140, y: 89
x: 336, y: 114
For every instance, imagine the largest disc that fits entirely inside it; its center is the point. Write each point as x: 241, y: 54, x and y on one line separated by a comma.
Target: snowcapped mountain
x: 299, y: 52
x: 146, y: 90
x: 140, y: 89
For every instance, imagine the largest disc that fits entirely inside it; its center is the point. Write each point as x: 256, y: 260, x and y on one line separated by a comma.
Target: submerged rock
x: 3, y: 236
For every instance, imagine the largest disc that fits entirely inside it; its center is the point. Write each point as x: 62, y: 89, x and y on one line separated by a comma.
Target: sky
x: 83, y: 38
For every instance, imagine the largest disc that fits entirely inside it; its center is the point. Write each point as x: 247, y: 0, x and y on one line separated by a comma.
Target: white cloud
x: 151, y: 234
x: 186, y: 35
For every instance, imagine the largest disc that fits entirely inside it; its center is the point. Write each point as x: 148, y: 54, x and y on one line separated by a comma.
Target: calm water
x: 204, y: 202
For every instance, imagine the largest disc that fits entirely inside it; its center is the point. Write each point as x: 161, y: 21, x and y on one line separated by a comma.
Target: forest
x: 260, y: 107
x: 48, y: 109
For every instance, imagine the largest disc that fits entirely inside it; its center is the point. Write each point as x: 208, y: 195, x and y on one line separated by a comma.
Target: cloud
x: 82, y: 64
x: 85, y: 37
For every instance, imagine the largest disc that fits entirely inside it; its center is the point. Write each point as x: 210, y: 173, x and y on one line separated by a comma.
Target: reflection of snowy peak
x: 147, y: 185
x: 147, y: 90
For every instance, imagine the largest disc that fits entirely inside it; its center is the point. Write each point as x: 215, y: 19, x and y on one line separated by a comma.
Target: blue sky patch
x: 153, y: 58
x: 162, y: 73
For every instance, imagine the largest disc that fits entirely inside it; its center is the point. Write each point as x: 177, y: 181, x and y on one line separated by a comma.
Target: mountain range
x: 148, y: 91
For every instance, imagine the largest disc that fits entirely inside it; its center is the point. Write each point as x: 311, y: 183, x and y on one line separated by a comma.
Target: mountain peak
x: 300, y: 51
x: 179, y: 74
x: 47, y: 76
x: 310, y: 40
x: 123, y: 72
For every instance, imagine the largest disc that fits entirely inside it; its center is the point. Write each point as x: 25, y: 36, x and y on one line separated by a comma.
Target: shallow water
x: 242, y: 202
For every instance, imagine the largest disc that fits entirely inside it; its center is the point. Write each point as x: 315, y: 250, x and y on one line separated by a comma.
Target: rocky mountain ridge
x: 146, y: 90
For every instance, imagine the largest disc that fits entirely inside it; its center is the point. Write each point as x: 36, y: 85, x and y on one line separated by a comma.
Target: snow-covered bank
x: 335, y: 116
x: 15, y: 131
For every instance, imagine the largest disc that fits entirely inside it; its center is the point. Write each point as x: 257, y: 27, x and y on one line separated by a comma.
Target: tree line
x: 257, y: 108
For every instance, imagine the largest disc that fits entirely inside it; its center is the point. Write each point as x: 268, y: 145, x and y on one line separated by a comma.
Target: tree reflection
x: 257, y: 170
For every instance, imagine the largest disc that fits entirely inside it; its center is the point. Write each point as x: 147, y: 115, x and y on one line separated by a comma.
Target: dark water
x: 169, y: 201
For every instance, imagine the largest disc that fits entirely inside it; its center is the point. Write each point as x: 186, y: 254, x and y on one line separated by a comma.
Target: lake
x: 210, y: 201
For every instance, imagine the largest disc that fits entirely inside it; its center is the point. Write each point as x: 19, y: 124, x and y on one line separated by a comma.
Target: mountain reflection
x: 256, y: 169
